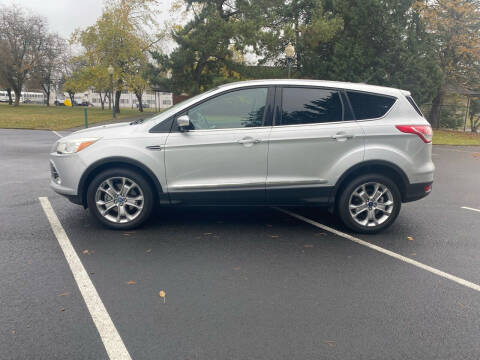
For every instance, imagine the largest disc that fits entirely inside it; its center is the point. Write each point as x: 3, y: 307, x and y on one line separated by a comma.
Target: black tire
x: 141, y: 182
x: 343, y: 203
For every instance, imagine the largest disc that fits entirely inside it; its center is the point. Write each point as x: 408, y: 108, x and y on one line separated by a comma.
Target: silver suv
x: 359, y: 150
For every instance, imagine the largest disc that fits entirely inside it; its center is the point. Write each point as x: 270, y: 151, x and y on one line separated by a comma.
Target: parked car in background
x: 357, y: 149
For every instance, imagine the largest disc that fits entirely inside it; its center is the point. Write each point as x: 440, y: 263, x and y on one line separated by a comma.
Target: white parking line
x: 111, y: 339
x: 385, y: 251
x: 56, y: 133
x: 469, y: 208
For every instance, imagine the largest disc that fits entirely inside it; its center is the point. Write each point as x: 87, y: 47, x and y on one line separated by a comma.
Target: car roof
x: 323, y: 83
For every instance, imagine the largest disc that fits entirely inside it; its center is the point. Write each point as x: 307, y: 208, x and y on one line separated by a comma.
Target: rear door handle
x: 341, y: 136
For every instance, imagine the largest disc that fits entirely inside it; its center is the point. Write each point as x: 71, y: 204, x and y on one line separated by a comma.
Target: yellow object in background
x: 67, y: 102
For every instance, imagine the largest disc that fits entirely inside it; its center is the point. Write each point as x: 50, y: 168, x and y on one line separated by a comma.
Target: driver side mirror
x: 183, y: 122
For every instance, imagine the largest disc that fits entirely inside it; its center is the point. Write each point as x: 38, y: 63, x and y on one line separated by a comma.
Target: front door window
x: 236, y: 109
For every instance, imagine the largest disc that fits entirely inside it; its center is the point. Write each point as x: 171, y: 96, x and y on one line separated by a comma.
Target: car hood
x: 111, y: 131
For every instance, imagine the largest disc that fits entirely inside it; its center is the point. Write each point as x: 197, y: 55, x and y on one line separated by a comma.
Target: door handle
x: 248, y: 140
x: 341, y: 136
x: 154, y: 147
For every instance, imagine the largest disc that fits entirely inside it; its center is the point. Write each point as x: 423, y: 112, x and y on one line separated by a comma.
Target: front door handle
x: 342, y: 136
x: 248, y: 140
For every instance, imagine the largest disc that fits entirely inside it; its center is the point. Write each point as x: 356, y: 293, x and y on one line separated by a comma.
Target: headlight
x: 74, y: 145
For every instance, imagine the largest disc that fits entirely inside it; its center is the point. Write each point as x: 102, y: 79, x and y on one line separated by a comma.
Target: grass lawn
x: 450, y: 137
x: 56, y: 117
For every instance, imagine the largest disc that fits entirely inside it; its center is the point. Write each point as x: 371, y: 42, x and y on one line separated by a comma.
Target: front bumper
x: 66, y: 171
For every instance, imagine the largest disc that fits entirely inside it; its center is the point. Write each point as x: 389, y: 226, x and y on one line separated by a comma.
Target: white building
x: 150, y: 99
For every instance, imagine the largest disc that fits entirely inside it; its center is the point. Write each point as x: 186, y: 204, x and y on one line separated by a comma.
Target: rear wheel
x: 369, y: 203
x: 120, y: 198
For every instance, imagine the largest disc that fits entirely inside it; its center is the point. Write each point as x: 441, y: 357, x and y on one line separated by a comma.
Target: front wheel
x: 369, y: 203
x: 120, y: 198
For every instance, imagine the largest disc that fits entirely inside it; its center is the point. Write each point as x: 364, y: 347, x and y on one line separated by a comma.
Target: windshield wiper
x: 138, y: 121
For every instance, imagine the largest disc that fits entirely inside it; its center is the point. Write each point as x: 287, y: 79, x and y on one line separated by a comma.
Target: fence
x: 452, y: 116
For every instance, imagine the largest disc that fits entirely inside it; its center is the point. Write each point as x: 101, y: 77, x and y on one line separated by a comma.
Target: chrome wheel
x: 119, y: 199
x: 371, y: 204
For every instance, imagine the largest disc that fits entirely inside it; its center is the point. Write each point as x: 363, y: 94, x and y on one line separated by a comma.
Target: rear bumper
x: 417, y: 191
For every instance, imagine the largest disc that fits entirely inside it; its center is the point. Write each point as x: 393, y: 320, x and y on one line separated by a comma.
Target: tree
x: 3, y: 78
x: 455, y: 28
x: 23, y: 37
x: 209, y: 43
x: 49, y: 68
x: 71, y: 80
x: 119, y: 38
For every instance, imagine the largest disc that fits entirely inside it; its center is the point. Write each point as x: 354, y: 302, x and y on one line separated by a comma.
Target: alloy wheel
x: 371, y: 204
x: 119, y: 199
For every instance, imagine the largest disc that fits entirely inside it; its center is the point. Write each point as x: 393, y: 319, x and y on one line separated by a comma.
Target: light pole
x: 110, y: 72
x: 289, y: 54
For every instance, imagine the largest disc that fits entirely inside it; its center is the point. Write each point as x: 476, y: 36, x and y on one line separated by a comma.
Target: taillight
x: 424, y: 132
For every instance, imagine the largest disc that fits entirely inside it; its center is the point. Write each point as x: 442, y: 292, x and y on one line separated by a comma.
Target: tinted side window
x: 369, y: 106
x: 310, y: 106
x: 236, y: 109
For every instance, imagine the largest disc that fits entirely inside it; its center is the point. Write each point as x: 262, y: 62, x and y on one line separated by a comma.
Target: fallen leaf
x: 163, y: 295
x: 62, y: 309
x: 85, y: 251
x: 149, y: 250
x: 131, y: 282
x: 330, y: 343
x: 308, y: 246
x: 14, y: 332
x: 236, y: 268
x: 64, y: 294
x: 461, y: 305
x: 476, y: 154
x: 413, y: 254
x: 410, y: 238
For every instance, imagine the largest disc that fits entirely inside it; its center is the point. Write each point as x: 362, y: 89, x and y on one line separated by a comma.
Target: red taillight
x: 424, y: 132
x: 427, y: 188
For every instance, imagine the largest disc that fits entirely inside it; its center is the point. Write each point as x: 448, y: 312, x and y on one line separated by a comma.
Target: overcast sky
x: 64, y: 16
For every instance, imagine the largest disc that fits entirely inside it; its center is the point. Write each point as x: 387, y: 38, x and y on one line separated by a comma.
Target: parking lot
x: 240, y: 283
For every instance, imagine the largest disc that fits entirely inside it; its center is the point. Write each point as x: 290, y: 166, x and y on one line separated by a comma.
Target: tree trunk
x: 9, y: 92
x: 46, y: 90
x: 18, y: 93
x: 118, y: 93
x: 434, y: 116
x: 473, y: 123
x: 102, y: 100
x: 48, y: 98
x: 139, y: 98
x: 198, y: 75
x: 109, y: 100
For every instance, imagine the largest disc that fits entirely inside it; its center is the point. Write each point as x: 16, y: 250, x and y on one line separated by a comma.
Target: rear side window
x: 310, y: 106
x: 369, y: 106
x: 415, y: 106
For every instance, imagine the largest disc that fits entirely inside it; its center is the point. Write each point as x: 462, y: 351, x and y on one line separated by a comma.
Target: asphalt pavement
x: 240, y: 283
